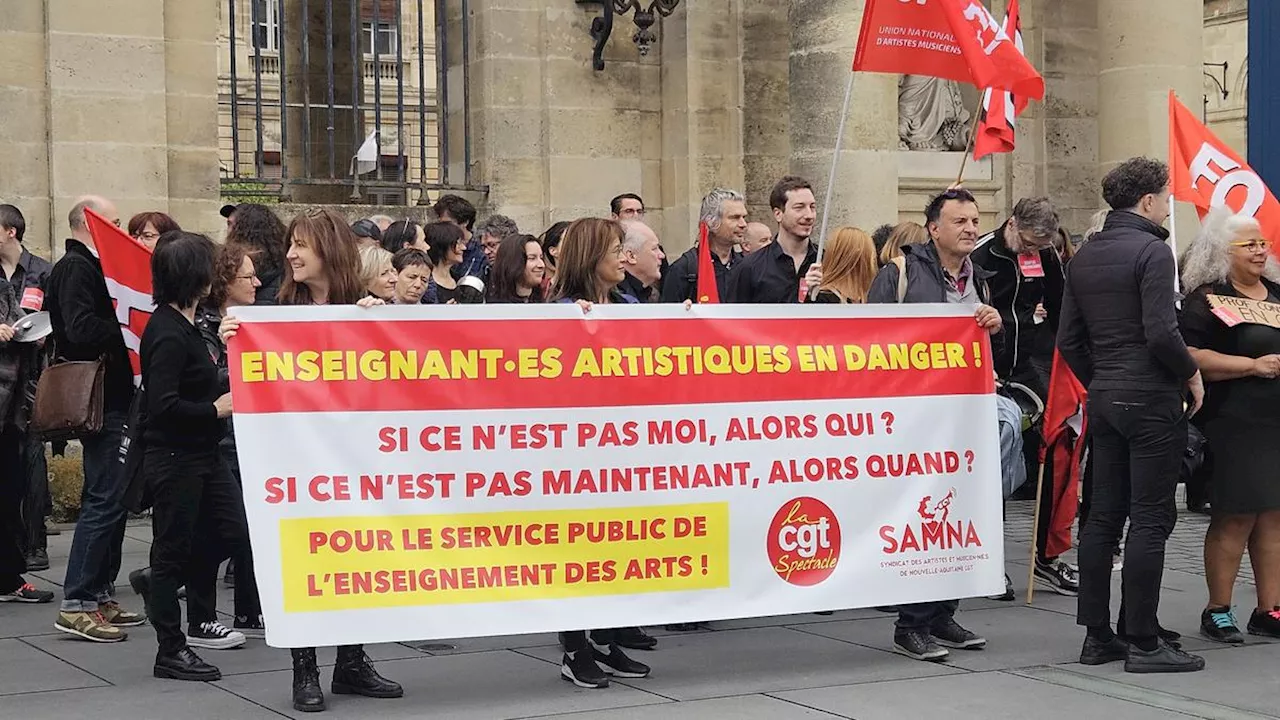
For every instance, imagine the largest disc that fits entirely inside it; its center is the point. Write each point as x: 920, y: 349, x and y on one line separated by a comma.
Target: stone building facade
x: 130, y: 99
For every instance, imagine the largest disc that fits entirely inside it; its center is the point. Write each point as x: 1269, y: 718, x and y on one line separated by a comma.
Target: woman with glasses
x: 147, y: 227
x: 1230, y: 262
x: 445, y: 249
x: 323, y: 268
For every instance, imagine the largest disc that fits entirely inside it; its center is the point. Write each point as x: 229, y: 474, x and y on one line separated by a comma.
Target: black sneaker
x: 1164, y: 659
x: 27, y: 593
x: 1059, y: 577
x: 1265, y: 624
x: 214, y: 636
x: 634, y: 638
x: 38, y: 559
x: 918, y: 645
x: 1219, y: 625
x: 613, y: 661
x: 1007, y: 595
x: 951, y: 635
x: 251, y: 626
x: 580, y: 669
x: 1097, y: 652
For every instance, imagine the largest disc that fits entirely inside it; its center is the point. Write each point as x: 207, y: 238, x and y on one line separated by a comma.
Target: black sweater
x: 84, y: 321
x: 1119, y: 326
x: 182, y: 383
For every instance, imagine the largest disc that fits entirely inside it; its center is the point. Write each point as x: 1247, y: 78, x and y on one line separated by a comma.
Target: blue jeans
x: 95, y: 549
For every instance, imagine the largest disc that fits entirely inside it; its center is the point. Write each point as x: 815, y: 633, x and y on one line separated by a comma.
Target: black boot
x: 354, y: 675
x: 307, y: 695
x: 140, y: 581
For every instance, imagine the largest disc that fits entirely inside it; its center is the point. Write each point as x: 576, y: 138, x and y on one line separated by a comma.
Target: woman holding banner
x: 322, y: 267
x: 588, y: 271
x: 1230, y: 266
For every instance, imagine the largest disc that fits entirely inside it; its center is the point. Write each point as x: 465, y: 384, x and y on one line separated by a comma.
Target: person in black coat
x: 1119, y: 335
x: 197, y: 519
x: 85, y: 327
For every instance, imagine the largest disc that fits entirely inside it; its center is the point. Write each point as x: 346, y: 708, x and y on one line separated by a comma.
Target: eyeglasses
x: 147, y: 236
x: 616, y: 250
x: 250, y: 276
x: 1253, y: 246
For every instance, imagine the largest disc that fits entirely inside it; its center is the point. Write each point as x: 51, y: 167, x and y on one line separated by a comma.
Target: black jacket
x: 84, y: 321
x: 207, y: 321
x: 927, y: 284
x: 631, y: 285
x: 680, y: 280
x: 1119, y: 326
x: 269, y: 290
x: 1016, y: 297
x: 182, y: 384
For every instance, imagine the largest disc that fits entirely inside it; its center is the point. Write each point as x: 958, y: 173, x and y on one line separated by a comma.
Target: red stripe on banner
x: 490, y: 364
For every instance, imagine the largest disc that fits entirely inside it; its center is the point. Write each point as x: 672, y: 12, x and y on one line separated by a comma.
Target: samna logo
x: 804, y: 541
x: 935, y: 529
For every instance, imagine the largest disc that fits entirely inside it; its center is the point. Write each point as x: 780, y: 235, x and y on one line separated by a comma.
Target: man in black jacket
x: 939, y: 272
x: 1119, y: 334
x: 725, y: 213
x: 1027, y: 277
x: 85, y: 328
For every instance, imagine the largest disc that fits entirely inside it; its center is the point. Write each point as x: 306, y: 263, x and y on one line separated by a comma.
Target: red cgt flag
x: 952, y: 39
x: 126, y: 263
x: 1208, y: 174
x: 1000, y: 108
x: 708, y: 291
x: 1066, y: 400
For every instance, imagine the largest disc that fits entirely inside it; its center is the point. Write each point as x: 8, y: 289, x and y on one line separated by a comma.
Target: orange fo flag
x: 126, y: 264
x: 953, y: 39
x: 708, y: 291
x: 1000, y: 108
x: 1208, y: 174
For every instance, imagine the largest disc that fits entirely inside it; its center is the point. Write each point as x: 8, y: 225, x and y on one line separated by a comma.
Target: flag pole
x: 1035, y: 523
x: 835, y: 159
x: 973, y: 135
x: 1173, y: 242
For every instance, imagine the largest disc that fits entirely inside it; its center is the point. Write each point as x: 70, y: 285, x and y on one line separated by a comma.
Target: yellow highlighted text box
x: 352, y: 563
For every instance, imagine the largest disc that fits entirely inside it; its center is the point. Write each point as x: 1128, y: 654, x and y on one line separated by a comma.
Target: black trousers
x: 12, y: 483
x: 198, y: 521
x: 247, y: 603
x: 575, y: 640
x: 37, y: 503
x: 925, y: 616
x: 1138, y: 438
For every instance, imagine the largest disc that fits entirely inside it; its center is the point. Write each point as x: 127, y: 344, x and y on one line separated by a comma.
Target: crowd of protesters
x: 1110, y: 305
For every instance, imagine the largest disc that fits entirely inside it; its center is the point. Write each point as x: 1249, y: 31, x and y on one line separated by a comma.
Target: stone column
x: 24, y: 123
x: 313, y: 78
x: 824, y: 35
x: 1138, y: 64
x: 191, y: 105
x: 766, y: 116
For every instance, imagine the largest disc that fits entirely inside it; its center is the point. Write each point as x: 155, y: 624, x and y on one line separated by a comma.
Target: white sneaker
x: 214, y: 636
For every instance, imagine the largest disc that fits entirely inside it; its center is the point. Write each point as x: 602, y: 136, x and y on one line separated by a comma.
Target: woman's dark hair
x: 408, y: 257
x: 441, y: 237
x: 551, y: 239
x: 398, y: 235
x: 367, y: 228
x: 507, y: 269
x: 261, y: 233
x: 161, y: 222
x: 181, y: 268
x: 327, y: 233
x: 586, y: 242
x: 226, y: 265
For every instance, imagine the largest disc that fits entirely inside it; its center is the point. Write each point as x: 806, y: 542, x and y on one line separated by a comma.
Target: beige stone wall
x: 114, y: 100
x: 1226, y: 39
x: 1067, y: 143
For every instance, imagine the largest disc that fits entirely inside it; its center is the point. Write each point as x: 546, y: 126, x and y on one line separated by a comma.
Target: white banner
x: 422, y: 473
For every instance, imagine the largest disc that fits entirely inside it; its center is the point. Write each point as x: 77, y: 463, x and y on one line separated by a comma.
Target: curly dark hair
x: 1125, y: 186
x: 226, y: 264
x: 261, y: 232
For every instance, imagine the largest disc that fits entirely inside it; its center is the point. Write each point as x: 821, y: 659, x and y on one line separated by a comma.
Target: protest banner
x: 429, y: 472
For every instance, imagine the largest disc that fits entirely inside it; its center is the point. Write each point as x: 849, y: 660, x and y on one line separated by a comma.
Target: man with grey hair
x: 1026, y: 288
x: 642, y: 261
x: 725, y: 213
x: 85, y: 328
x: 492, y: 232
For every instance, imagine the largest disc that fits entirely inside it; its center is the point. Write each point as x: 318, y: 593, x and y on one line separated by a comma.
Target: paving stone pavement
x: 776, y: 668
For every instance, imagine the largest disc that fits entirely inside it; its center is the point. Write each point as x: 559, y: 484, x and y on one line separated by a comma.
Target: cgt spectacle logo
x: 935, y: 531
x: 804, y: 541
